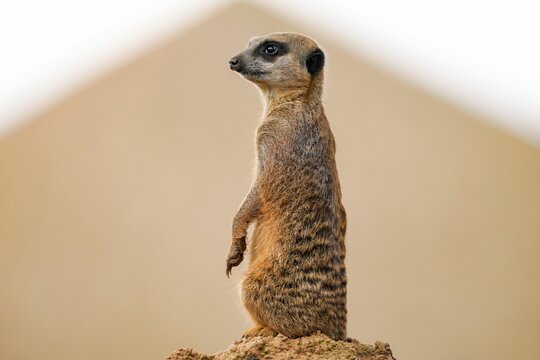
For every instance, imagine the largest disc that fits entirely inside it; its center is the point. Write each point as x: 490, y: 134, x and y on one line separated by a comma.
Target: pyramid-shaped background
x: 116, y: 205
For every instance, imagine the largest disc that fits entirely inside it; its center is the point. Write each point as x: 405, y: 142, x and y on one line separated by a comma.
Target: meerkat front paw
x: 236, y: 254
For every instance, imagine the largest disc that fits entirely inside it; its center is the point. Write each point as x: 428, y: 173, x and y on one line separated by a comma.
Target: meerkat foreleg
x: 248, y: 212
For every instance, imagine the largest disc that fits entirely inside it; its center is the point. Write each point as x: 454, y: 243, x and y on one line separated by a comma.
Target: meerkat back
x: 295, y: 283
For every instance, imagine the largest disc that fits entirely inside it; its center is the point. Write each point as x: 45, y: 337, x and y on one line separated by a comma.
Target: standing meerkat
x: 295, y: 283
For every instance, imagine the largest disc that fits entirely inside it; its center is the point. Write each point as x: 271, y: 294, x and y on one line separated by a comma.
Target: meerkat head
x: 280, y: 60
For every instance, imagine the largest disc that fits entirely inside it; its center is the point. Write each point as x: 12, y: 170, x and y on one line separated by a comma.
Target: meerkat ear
x: 315, y: 62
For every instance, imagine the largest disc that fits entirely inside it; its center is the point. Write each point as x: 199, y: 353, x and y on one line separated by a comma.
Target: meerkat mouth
x: 253, y: 73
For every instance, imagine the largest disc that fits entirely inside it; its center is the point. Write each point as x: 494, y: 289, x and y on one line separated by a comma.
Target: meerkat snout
x: 234, y: 64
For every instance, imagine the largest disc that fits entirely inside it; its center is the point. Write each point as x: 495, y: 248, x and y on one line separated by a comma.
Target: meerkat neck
x: 275, y: 98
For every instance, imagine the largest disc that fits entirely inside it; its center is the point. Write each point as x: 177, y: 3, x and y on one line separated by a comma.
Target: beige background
x: 116, y: 205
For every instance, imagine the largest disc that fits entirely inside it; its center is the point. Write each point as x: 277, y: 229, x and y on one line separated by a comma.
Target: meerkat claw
x: 236, y: 256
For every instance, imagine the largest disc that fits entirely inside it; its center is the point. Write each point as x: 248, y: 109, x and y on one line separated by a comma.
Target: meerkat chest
x: 290, y: 137
x: 271, y: 135
x: 268, y: 129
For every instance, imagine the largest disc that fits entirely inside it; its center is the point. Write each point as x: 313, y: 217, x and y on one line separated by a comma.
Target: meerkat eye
x: 271, y: 49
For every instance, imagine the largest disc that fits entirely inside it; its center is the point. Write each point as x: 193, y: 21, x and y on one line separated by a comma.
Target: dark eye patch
x: 271, y: 50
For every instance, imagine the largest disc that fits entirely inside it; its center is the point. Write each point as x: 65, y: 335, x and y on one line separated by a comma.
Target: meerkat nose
x: 234, y: 63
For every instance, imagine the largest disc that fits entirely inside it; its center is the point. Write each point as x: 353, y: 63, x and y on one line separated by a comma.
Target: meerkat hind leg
x: 259, y: 330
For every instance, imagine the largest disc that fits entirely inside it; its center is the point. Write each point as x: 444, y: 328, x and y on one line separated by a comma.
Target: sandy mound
x: 280, y: 347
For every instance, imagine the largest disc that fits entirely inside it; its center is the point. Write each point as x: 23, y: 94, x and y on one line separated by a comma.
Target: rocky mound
x: 280, y: 347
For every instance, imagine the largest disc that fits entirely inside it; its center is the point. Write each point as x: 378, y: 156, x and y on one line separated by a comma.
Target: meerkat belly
x: 263, y: 242
x: 296, y: 281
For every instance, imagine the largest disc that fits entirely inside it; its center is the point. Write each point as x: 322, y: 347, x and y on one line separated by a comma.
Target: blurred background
x: 126, y: 147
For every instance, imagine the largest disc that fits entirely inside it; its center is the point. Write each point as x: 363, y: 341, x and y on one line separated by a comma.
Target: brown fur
x: 295, y: 283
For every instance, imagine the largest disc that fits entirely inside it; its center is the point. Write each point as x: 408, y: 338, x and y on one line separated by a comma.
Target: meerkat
x: 295, y: 283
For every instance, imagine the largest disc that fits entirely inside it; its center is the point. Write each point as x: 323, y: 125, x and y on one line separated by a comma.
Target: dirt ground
x: 280, y: 347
